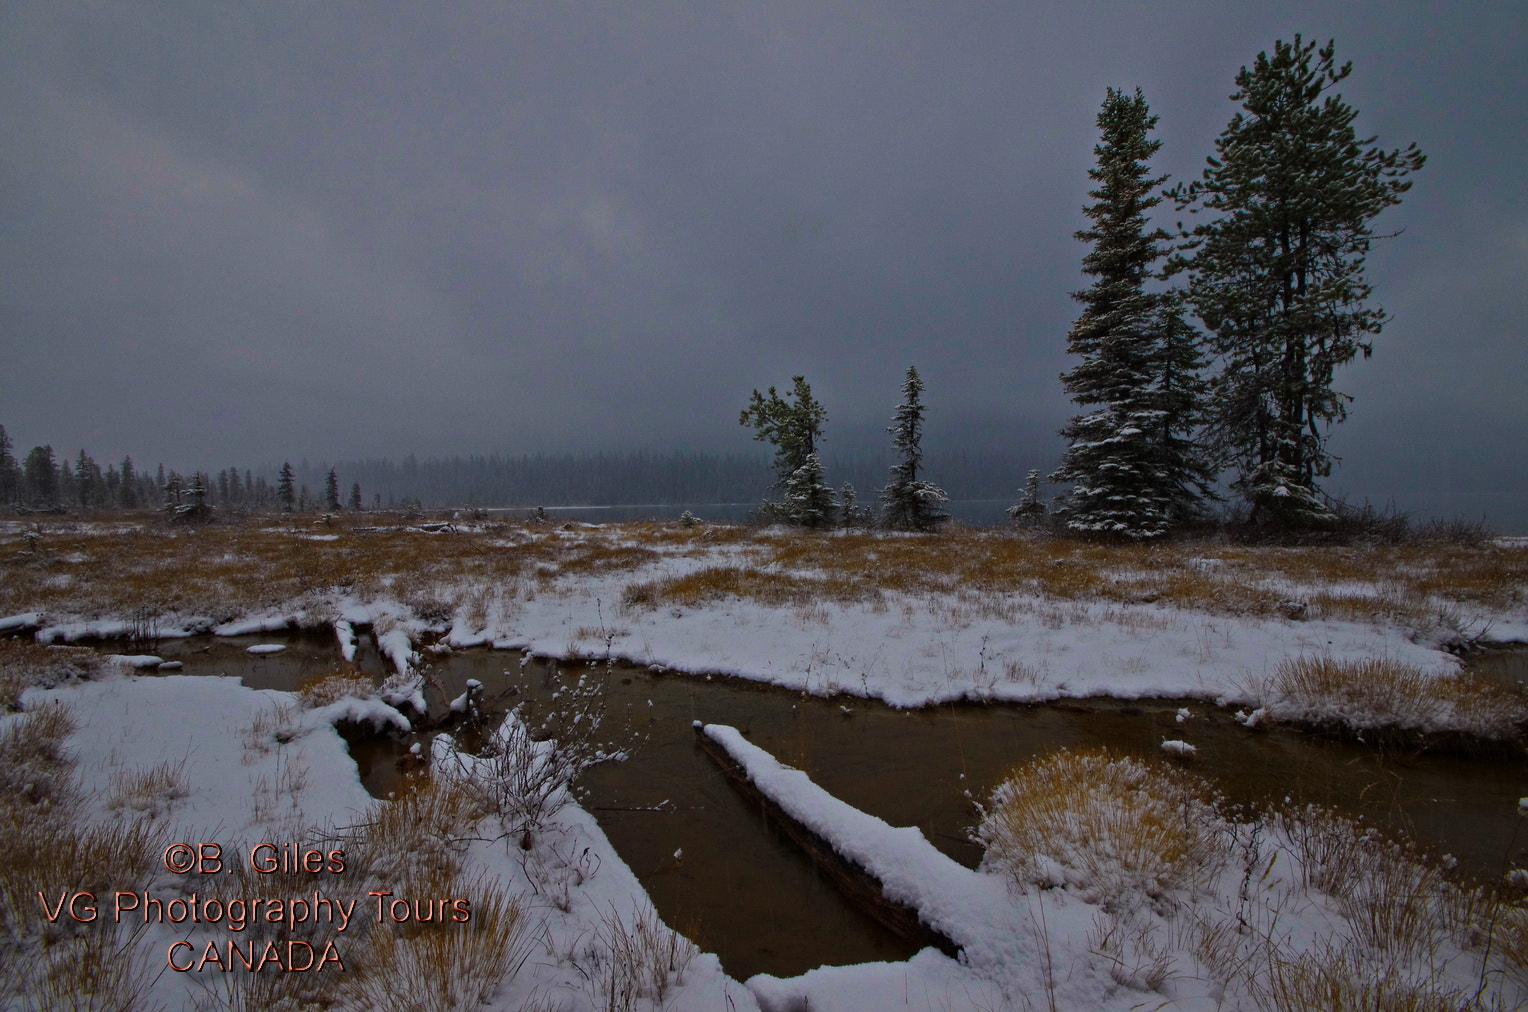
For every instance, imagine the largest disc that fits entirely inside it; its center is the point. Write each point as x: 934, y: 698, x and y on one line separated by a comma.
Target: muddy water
x: 740, y: 890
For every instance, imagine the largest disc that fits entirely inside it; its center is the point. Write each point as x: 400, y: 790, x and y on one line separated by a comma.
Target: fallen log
x: 862, y: 888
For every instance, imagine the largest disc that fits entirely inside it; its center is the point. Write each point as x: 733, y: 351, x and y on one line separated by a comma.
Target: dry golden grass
x: 417, y: 828
x: 442, y: 967
x: 149, y: 792
x: 1323, y: 981
x: 228, y: 570
x: 718, y: 583
x: 50, y: 851
x: 1113, y: 827
x: 321, y: 690
x: 1384, y: 693
x: 25, y: 663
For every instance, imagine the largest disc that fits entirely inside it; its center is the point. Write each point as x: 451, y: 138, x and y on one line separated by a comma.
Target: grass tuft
x: 1112, y: 827
x: 1380, y: 693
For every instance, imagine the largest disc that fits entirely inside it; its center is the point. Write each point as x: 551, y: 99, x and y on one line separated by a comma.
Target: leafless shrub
x: 529, y: 766
x: 632, y: 963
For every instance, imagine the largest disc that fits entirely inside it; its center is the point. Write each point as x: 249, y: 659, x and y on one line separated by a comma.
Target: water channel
x: 742, y: 891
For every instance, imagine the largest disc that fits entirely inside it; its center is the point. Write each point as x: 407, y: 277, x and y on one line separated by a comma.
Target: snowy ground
x: 256, y: 768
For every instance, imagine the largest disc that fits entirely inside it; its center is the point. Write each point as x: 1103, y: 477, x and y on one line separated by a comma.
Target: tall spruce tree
x: 332, y: 491
x: 1133, y: 464
x: 10, y: 471
x: 41, y: 476
x: 127, y: 496
x: 1278, y: 275
x: 286, y: 489
x: 910, y: 503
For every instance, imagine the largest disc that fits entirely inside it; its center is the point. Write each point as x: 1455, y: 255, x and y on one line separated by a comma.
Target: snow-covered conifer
x: 1133, y: 467
x: 794, y: 427
x: 809, y: 499
x: 332, y: 491
x: 1029, y: 508
x: 910, y: 503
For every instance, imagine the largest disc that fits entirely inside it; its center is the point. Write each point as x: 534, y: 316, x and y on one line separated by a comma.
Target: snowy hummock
x: 21, y: 623
x: 258, y: 624
x: 137, y: 662
x: 344, y: 633
x: 1179, y: 748
x: 371, y: 712
x: 396, y: 646
x: 267, y: 648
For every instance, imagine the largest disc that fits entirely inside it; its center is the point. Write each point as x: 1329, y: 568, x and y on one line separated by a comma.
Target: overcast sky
x: 238, y: 232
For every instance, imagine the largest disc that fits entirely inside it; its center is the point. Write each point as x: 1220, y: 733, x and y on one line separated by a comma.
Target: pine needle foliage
x: 794, y: 426
x: 1134, y: 467
x: 1278, y: 275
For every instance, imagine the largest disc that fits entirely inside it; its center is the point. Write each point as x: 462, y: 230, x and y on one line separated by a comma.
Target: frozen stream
x: 740, y: 890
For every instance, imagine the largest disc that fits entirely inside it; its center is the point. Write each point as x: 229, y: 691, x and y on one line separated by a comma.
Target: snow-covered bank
x: 912, y: 620
x: 1007, y: 620
x: 1086, y: 901
x: 247, y: 792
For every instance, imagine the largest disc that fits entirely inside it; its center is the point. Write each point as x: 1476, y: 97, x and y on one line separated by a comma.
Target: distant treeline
x: 41, y: 479
x: 609, y: 479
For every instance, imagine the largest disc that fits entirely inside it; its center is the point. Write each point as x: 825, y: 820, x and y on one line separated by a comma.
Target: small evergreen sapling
x: 1029, y: 509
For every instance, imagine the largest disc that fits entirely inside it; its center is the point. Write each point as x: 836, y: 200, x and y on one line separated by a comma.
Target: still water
x: 739, y: 889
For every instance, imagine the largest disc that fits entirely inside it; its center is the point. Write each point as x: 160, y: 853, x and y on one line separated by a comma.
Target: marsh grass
x: 25, y: 664
x: 1110, y: 826
x: 1382, y: 693
x: 49, y: 849
x: 1335, y: 979
x: 321, y: 690
x: 270, y: 728
x: 226, y: 571
x: 151, y: 792
x: 443, y: 967
x: 1394, y: 931
x: 633, y: 962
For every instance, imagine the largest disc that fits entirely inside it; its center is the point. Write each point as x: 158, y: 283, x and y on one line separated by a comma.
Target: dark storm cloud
x: 233, y: 232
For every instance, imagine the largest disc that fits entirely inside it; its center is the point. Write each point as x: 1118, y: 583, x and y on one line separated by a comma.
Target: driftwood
x: 862, y: 888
